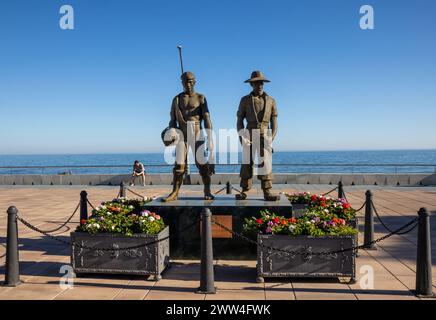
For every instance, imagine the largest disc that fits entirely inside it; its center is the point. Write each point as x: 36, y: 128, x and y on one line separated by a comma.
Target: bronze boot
x: 242, y: 195
x: 177, y: 182
x: 207, y: 193
x: 268, y: 196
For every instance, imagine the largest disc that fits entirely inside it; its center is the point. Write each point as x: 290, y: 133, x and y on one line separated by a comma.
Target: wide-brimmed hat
x: 257, y: 76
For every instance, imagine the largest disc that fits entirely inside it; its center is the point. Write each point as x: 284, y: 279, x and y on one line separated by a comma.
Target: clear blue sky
x: 107, y: 85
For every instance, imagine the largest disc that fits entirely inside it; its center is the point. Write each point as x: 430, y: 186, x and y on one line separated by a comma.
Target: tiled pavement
x: 41, y: 258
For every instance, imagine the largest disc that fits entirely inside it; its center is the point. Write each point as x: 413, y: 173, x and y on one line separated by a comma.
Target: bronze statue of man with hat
x: 188, y: 110
x: 259, y: 110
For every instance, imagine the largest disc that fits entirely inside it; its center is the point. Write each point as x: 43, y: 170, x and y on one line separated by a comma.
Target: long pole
x: 181, y: 59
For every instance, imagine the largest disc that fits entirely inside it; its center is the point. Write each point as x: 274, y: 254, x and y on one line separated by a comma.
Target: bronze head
x: 256, y: 81
x: 188, y: 81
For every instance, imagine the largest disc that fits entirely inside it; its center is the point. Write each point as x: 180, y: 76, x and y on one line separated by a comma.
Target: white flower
x: 291, y: 227
x: 145, y: 213
x: 131, y: 207
x: 151, y: 218
x: 326, y: 210
x: 312, y: 221
x: 113, y: 227
x: 109, y: 214
x: 307, y: 222
x: 103, y: 207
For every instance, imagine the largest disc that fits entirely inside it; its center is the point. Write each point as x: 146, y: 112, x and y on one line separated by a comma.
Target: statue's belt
x: 257, y: 125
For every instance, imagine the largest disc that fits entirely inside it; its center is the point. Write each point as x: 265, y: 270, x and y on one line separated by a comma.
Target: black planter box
x: 272, y: 263
x: 146, y: 260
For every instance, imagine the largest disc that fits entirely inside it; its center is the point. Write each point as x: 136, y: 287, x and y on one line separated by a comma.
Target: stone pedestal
x: 225, y: 209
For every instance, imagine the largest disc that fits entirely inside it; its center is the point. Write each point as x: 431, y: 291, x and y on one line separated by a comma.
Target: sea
x: 379, y: 161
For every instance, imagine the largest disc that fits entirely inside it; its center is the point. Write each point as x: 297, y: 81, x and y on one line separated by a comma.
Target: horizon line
x: 156, y: 152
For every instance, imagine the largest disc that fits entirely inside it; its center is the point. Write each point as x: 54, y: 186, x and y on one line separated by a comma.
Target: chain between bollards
x: 135, y: 193
x: 228, y: 188
x: 12, y: 274
x: 304, y: 251
x: 69, y: 243
x: 207, y: 281
x: 327, y: 193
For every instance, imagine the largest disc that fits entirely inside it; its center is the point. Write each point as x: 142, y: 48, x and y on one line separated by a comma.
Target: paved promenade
x: 47, y: 207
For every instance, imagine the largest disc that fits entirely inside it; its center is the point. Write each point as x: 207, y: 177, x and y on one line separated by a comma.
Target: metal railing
x: 227, y: 168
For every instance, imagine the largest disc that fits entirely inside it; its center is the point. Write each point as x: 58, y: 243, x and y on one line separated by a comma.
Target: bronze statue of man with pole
x: 188, y: 110
x: 259, y: 110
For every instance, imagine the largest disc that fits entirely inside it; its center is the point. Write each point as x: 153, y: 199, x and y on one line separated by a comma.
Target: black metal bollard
x: 369, y: 222
x: 83, y: 207
x: 341, y: 193
x: 207, y: 281
x: 424, y: 287
x: 228, y: 188
x: 122, y: 190
x: 12, y: 275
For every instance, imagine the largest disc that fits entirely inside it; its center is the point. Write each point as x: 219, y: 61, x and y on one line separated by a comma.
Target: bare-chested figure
x: 189, y: 109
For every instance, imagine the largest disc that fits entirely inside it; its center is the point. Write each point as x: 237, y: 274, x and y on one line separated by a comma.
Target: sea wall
x: 223, y: 178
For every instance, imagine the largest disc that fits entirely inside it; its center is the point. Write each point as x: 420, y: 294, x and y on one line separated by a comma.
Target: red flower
x: 259, y: 221
x: 346, y: 205
x: 276, y: 220
x: 83, y: 221
x: 322, y: 204
x: 313, y: 198
x: 283, y: 222
x: 292, y: 220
